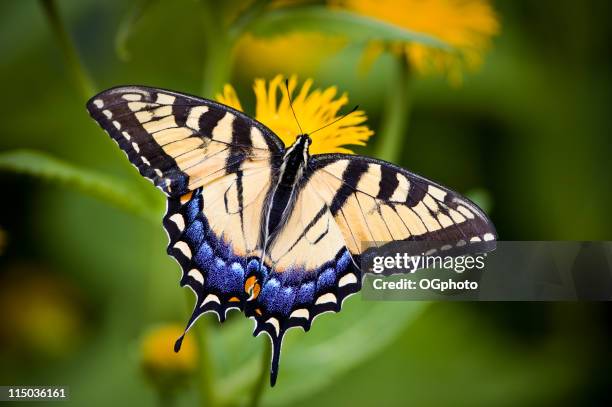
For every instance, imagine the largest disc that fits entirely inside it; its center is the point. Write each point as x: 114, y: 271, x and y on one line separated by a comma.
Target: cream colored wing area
x: 360, y: 219
x: 203, y: 158
x: 310, y: 236
x: 233, y: 205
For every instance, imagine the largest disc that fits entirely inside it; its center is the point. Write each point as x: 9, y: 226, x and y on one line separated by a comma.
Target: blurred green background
x: 85, y: 283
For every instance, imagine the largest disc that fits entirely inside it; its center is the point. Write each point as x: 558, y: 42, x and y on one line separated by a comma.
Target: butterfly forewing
x: 178, y: 141
x: 375, y: 202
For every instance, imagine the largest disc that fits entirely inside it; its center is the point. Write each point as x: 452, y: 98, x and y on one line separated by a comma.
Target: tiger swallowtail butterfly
x: 268, y: 229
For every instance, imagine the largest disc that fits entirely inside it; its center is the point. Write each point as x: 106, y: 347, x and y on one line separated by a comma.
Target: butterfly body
x: 290, y: 174
x: 267, y: 229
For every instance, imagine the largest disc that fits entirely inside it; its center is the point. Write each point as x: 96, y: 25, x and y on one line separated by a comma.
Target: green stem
x: 219, y: 42
x: 124, y: 32
x: 264, y: 373
x: 77, y: 70
x: 244, y: 20
x: 216, y: 68
x: 217, y: 51
x: 396, y: 114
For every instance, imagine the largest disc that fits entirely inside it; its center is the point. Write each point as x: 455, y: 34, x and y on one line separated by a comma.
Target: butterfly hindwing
x: 311, y: 269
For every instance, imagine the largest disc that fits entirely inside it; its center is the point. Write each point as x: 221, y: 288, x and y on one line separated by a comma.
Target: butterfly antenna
x: 291, y: 105
x: 335, y: 121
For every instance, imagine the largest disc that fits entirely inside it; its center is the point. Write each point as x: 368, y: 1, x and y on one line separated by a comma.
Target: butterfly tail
x: 194, y: 316
x: 276, y: 341
x: 276, y: 350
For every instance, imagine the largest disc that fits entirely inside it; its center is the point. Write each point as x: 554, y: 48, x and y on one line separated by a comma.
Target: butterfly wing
x: 375, y: 201
x: 344, y: 202
x: 181, y: 142
x: 216, y: 166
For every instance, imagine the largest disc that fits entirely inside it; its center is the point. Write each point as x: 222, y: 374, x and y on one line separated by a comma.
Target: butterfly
x: 265, y: 228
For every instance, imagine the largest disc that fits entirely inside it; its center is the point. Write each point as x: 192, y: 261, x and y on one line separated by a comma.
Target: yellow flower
x: 41, y: 314
x: 466, y: 25
x: 162, y: 366
x: 314, y: 109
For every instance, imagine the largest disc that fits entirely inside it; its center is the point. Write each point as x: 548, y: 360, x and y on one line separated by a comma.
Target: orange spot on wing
x: 249, y: 283
x: 185, y: 198
x: 256, y: 290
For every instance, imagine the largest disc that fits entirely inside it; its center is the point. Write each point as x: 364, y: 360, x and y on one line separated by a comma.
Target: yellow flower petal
x: 158, y: 350
x: 229, y: 97
x: 314, y: 109
x: 466, y: 25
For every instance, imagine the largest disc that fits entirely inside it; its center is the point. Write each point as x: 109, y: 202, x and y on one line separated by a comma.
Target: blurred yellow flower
x: 466, y: 25
x: 300, y: 52
x: 314, y: 109
x: 41, y: 314
x: 165, y: 368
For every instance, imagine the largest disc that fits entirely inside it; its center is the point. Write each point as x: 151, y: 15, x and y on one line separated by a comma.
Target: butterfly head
x: 304, y: 140
x: 297, y: 154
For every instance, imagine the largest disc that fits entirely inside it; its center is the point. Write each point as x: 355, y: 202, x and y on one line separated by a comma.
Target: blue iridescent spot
x: 306, y: 293
x: 237, y: 270
x: 344, y: 261
x: 204, y: 254
x: 269, y: 291
x: 326, y: 279
x: 195, y: 231
x: 264, y: 271
x: 253, y: 266
x: 224, y: 278
x: 283, y: 301
x: 192, y: 209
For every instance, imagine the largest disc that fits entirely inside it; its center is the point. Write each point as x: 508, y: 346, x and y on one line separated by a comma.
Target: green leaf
x: 105, y: 188
x: 336, y: 22
x: 310, y: 360
x: 127, y: 25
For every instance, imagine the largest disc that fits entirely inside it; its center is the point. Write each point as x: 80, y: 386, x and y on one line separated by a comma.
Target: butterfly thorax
x: 294, y: 161
x: 289, y: 175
